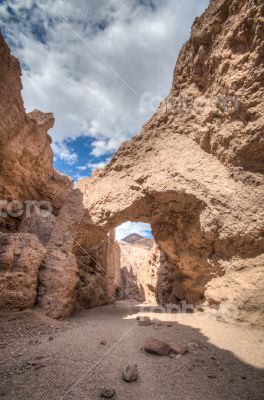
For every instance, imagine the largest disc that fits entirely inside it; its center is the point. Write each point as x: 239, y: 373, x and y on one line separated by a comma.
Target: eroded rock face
x: 96, y: 267
x: 21, y: 255
x: 137, y: 276
x: 28, y: 182
x: 196, y: 173
x: 25, y: 153
x: 39, y: 222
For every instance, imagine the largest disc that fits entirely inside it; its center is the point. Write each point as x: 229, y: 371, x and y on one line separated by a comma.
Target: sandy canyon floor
x: 46, y: 359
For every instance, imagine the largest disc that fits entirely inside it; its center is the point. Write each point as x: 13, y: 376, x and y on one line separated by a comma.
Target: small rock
x: 190, y: 367
x: 178, y: 349
x: 103, y: 342
x: 211, y: 376
x: 107, y: 393
x: 169, y: 324
x: 157, y: 322
x: 31, y: 363
x: 144, y: 321
x: 39, y: 365
x: 51, y: 337
x: 156, y: 346
x: 130, y: 372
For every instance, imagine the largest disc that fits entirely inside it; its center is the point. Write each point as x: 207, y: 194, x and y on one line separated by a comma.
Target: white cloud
x: 61, y: 74
x: 132, y: 227
x: 93, y: 166
x: 63, y: 152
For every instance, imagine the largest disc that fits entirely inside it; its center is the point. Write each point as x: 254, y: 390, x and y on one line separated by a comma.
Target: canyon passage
x: 79, y: 308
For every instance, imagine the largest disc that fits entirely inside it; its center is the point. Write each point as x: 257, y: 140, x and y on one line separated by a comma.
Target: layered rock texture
x: 136, y: 273
x: 195, y: 173
x: 25, y: 153
x: 21, y: 255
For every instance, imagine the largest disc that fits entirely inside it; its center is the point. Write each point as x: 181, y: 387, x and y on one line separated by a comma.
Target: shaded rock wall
x: 21, y: 255
x: 96, y: 269
x: 138, y: 272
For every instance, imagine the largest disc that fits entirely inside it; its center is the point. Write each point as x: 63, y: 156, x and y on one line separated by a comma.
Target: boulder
x: 177, y: 348
x: 156, y: 346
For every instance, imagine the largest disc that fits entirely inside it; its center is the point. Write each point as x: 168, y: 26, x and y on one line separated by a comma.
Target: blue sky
x: 102, y: 67
x: 83, y: 164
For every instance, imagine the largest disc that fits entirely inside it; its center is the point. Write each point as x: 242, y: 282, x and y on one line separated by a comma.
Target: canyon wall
x: 32, y: 193
x: 26, y: 156
x: 136, y: 270
x: 195, y: 172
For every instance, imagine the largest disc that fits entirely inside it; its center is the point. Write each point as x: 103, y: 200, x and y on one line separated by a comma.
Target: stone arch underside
x: 194, y: 173
x: 194, y: 222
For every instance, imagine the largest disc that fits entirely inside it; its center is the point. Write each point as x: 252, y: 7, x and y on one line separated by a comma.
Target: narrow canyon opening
x: 135, y: 271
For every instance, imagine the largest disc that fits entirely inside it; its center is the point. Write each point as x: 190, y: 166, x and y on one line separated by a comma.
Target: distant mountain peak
x: 132, y: 238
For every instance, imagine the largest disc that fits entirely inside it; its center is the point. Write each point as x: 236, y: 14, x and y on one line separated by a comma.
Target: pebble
x: 107, y: 393
x: 103, y: 342
x: 39, y: 365
x: 130, y: 372
x: 144, y: 321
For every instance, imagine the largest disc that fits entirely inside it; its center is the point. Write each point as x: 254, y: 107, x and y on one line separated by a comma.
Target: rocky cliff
x: 26, y: 157
x: 32, y: 193
x: 195, y: 172
x: 137, y: 273
x: 30, y: 189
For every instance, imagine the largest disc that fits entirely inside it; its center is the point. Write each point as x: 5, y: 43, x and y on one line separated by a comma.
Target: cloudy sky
x: 101, y: 66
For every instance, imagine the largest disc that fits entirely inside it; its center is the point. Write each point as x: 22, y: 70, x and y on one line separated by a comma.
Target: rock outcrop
x: 26, y: 156
x: 31, y: 190
x: 136, y: 271
x: 21, y: 255
x: 97, y: 274
x: 195, y: 172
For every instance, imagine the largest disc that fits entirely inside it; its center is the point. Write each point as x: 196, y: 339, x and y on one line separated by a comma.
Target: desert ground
x: 47, y: 359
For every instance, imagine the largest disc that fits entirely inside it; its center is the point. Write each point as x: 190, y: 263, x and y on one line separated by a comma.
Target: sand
x: 42, y: 358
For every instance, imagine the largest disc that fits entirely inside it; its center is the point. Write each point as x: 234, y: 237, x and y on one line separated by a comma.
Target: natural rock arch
x: 195, y: 173
x: 193, y: 221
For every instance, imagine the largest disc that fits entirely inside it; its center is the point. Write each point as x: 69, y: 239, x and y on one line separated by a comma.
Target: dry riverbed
x: 46, y: 359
